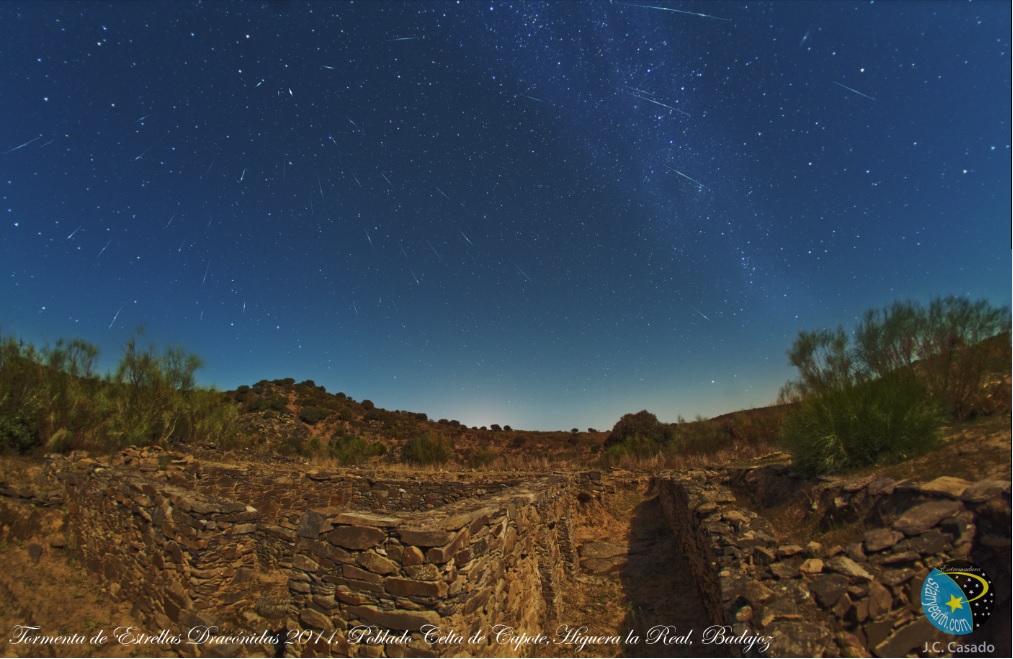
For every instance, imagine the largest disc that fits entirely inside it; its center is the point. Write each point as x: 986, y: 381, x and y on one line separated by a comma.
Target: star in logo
x: 955, y: 603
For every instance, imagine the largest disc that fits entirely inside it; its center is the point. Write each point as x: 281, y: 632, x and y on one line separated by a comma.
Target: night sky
x: 538, y: 214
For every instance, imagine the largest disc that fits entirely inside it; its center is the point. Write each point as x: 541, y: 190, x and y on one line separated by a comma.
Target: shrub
x: 313, y: 415
x: 482, y: 456
x: 350, y: 449
x: 859, y: 424
x: 642, y: 425
x: 430, y: 448
x: 635, y: 445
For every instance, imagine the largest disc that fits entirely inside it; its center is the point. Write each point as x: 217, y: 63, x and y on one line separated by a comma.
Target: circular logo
x: 957, y: 597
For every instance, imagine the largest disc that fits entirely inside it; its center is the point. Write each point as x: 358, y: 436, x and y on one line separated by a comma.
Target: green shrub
x: 430, y: 448
x: 349, y: 449
x: 313, y: 415
x: 481, y: 456
x: 635, y: 445
x: 859, y: 424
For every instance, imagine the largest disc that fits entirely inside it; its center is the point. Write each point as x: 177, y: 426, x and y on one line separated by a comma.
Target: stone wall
x: 855, y: 598
x: 336, y: 564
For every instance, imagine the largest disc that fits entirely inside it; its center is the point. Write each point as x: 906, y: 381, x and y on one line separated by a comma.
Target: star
x: 954, y: 603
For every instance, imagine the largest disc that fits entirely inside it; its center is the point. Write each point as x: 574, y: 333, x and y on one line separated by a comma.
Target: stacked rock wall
x: 248, y: 551
x: 855, y: 598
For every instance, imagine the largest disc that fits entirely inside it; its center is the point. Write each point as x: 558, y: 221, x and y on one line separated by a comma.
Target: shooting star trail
x: 321, y: 189
x: 258, y: 84
x: 387, y: 179
x: 855, y: 91
x: 209, y: 169
x: 442, y: 193
x: 243, y: 175
x: 701, y: 313
x: 145, y: 151
x: 651, y: 100
x: 104, y: 248
x: 355, y: 308
x: 329, y: 68
x: 522, y: 272
x: 115, y: 317
x: 354, y: 124
x: 73, y: 232
x: 202, y: 281
x: 244, y: 309
x: 368, y: 238
x: 142, y: 119
x: 356, y: 179
x: 402, y: 39
x: 677, y: 11
x: 401, y: 247
x: 434, y: 251
x: 688, y: 178
x: 805, y: 37
x: 532, y: 98
x: 181, y: 245
x: 465, y: 237
x: 170, y: 221
x: 415, y: 277
x: 21, y: 146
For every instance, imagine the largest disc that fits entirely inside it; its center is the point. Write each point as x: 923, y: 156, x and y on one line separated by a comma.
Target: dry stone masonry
x: 268, y: 559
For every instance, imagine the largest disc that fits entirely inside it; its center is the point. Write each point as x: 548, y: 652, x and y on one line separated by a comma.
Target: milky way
x: 536, y: 214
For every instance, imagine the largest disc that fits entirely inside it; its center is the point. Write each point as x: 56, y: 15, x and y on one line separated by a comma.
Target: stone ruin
x: 352, y: 564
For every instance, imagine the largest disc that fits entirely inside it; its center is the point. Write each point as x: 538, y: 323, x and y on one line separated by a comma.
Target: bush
x: 852, y: 426
x: 635, y: 445
x: 642, y: 425
x: 350, y: 449
x: 313, y: 415
x: 430, y: 448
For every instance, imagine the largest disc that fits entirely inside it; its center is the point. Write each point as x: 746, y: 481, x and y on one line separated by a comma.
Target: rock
x: 58, y: 541
x: 923, y: 517
x: 748, y: 590
x: 315, y: 522
x: 984, y: 490
x: 849, y: 568
x: 851, y: 645
x: 601, y: 550
x: 412, y: 556
x: 811, y: 566
x: 906, y: 639
x: 794, y: 638
x: 356, y: 537
x: 426, y: 572
x: 828, y: 589
x: 896, y: 577
x: 900, y: 558
x: 34, y: 552
x: 313, y: 619
x: 411, y: 621
x: 814, y: 549
x: 376, y: 564
x: 881, y: 486
x: 784, y: 570
x: 843, y: 606
x: 946, y: 486
x: 411, y: 588
x: 880, y: 539
x: 880, y: 600
x: 424, y: 537
x: 763, y: 556
x: 932, y: 542
x: 787, y: 551
x: 779, y: 609
x: 602, y: 565
x: 366, y: 519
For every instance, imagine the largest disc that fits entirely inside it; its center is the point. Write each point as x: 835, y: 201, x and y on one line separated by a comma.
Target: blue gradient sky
x: 537, y: 214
